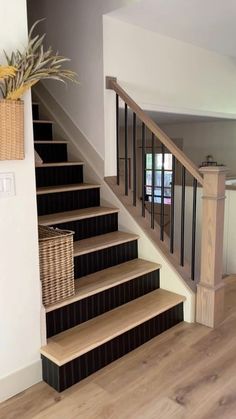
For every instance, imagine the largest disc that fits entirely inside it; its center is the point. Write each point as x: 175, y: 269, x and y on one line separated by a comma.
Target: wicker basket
x: 56, y: 264
x: 11, y: 129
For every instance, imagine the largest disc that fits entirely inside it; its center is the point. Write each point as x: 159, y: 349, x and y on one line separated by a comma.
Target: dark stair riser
x: 90, y: 227
x: 35, y: 111
x: 61, y: 378
x: 68, y: 201
x: 52, y: 153
x: 58, y: 175
x: 76, y: 313
x: 105, y: 258
x: 42, y: 131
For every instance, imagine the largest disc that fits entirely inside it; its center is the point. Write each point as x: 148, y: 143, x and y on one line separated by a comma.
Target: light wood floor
x: 189, y: 372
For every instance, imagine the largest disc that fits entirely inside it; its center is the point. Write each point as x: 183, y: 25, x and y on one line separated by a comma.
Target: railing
x: 186, y: 170
x: 184, y: 174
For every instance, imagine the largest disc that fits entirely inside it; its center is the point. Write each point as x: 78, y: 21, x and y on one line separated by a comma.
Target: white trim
x: 20, y: 380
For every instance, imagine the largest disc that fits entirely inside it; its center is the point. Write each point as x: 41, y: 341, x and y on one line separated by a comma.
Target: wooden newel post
x: 210, y: 290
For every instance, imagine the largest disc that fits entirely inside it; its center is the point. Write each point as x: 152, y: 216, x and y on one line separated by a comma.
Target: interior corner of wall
x: 189, y: 308
x: 20, y: 380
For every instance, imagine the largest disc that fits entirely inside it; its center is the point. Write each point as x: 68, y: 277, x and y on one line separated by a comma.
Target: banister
x: 210, y: 289
x: 111, y: 84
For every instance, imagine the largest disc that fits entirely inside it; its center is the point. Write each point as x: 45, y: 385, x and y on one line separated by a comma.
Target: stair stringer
x: 81, y: 149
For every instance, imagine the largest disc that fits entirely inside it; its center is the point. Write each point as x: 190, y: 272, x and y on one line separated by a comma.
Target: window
x: 158, y: 177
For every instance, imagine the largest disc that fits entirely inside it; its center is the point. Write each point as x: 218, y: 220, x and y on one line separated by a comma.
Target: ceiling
x: 165, y: 118
x: 209, y: 24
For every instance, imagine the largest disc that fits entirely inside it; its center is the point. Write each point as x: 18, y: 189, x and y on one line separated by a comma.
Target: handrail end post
x: 210, y: 290
x: 109, y: 82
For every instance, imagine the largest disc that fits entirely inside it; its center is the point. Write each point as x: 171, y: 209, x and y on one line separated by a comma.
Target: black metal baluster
x: 182, y: 217
x: 134, y: 160
x: 162, y: 193
x: 143, y: 167
x: 172, y: 208
x: 117, y: 141
x: 126, y: 150
x: 194, y: 229
x: 153, y: 182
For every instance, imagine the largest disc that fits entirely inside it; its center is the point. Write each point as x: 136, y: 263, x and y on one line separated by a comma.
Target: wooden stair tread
x: 42, y: 121
x: 81, y: 339
x: 66, y: 188
x: 51, y: 142
x: 61, y: 164
x: 102, y: 241
x: 107, y: 278
x: 80, y: 214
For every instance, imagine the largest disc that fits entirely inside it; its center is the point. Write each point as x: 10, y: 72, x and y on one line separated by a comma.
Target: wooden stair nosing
x: 105, y: 279
x: 51, y: 142
x: 75, y: 215
x: 60, y: 164
x: 66, y: 188
x: 42, y: 121
x: 103, y: 241
x: 73, y: 343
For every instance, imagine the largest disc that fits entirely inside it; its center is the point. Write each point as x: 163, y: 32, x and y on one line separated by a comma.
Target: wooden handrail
x: 111, y: 84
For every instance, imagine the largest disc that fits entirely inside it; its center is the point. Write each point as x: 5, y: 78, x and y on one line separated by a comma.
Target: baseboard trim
x: 20, y: 380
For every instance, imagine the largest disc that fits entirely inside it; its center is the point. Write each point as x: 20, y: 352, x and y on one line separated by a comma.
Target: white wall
x: 230, y: 232
x: 203, y: 138
x: 74, y: 28
x: 19, y: 275
x: 164, y: 74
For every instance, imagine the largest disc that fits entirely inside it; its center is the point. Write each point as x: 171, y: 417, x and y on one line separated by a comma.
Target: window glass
x: 148, y: 161
x: 158, y: 177
x: 168, y: 161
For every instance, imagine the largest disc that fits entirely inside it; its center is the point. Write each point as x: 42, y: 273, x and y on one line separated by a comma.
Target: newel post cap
x: 213, y: 169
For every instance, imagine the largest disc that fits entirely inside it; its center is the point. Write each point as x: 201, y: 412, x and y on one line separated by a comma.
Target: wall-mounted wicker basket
x: 56, y: 264
x: 11, y: 129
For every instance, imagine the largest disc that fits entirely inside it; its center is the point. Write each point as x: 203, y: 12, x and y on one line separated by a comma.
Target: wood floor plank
x: 220, y: 404
x: 180, y: 374
x: 83, y: 338
x: 107, y: 278
x: 144, y: 383
x: 79, y: 407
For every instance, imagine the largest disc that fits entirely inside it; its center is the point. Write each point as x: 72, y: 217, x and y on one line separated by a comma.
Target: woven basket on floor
x: 11, y: 129
x: 56, y: 264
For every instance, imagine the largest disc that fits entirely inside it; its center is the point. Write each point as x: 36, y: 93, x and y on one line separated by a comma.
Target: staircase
x: 118, y: 304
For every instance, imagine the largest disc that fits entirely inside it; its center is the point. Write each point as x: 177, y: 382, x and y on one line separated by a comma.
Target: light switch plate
x: 7, y: 185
